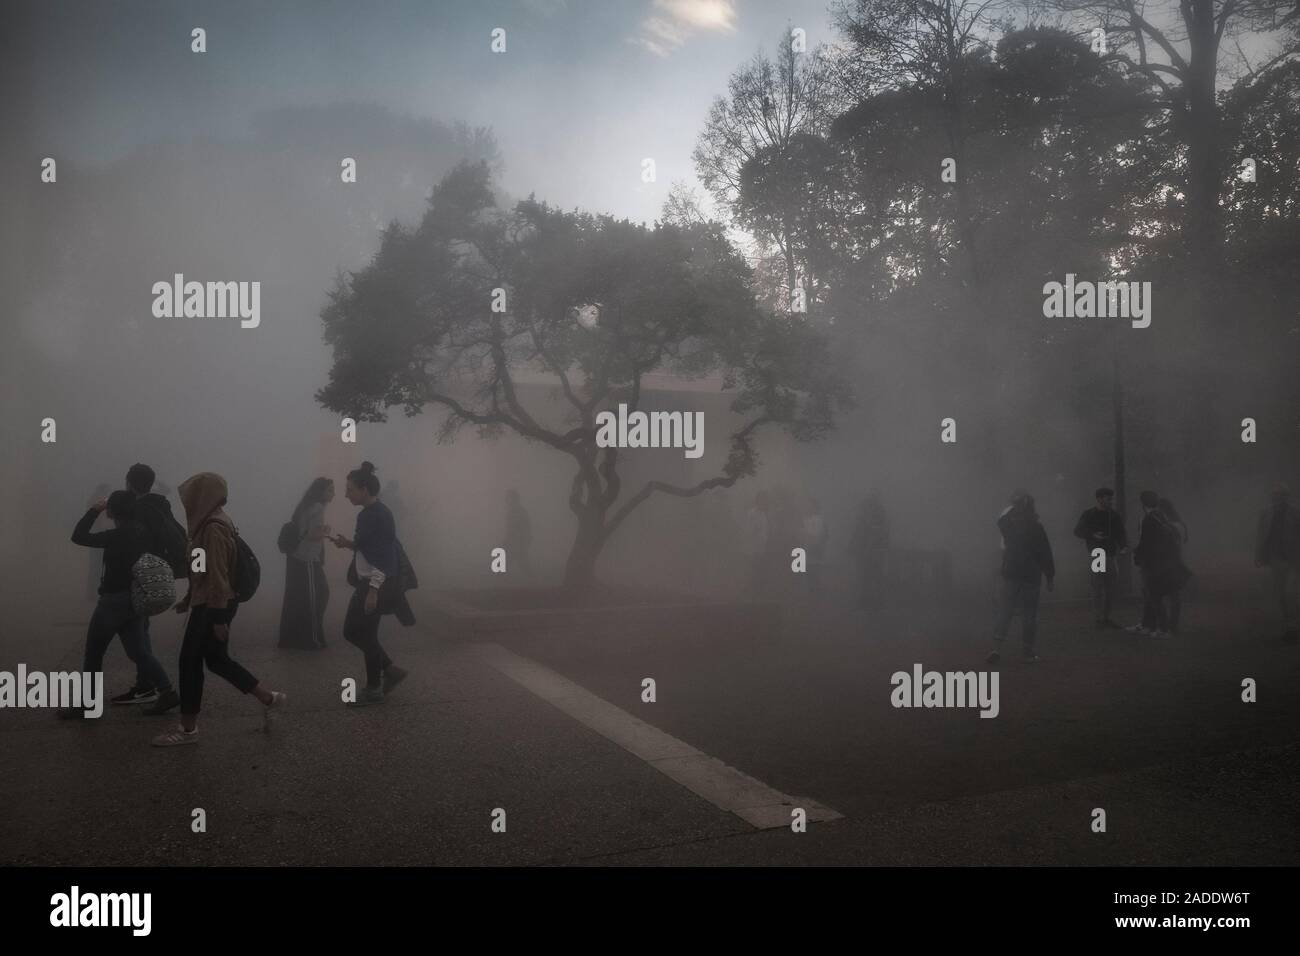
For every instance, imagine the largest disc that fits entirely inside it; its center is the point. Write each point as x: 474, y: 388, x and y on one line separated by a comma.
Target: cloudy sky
x: 585, y: 90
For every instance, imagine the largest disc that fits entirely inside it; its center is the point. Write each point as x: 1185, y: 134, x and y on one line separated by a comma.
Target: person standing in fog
x: 212, y: 605
x: 1156, y: 555
x: 1178, y: 574
x: 1277, y: 547
x: 1103, y: 527
x: 114, y: 615
x: 374, y: 576
x: 306, y: 592
x: 1026, y: 561
x: 519, y: 534
x: 869, y: 545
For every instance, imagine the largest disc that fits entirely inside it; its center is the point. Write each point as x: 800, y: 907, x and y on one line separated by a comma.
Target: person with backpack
x: 166, y: 539
x: 1277, y: 547
x: 1026, y: 560
x: 376, y: 574
x: 114, y: 614
x: 306, y: 592
x: 215, y: 591
x: 1103, y: 527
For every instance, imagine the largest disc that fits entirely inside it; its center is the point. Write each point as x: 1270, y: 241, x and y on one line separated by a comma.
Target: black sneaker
x: 393, y: 676
x: 368, y: 697
x: 137, y: 695
x: 166, y: 701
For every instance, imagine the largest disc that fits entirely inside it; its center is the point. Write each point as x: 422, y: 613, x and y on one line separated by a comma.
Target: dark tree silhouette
x: 592, y: 303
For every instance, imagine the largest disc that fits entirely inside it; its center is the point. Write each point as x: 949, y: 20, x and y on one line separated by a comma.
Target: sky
x: 585, y: 90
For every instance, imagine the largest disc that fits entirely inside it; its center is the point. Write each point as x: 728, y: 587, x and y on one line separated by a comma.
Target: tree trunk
x: 580, y: 568
x: 1204, y: 182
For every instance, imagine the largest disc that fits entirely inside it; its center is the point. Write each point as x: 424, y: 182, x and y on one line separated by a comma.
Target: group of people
x: 206, y: 551
x: 1027, y: 562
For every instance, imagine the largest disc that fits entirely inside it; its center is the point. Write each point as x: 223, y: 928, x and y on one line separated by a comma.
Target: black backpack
x: 289, y: 538
x: 167, y: 537
x: 246, y: 574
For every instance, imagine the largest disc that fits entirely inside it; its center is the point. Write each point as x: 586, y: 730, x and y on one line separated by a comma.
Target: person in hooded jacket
x: 212, y: 604
x: 1026, y: 561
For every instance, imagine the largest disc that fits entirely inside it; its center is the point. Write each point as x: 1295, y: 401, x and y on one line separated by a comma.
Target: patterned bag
x: 153, y: 585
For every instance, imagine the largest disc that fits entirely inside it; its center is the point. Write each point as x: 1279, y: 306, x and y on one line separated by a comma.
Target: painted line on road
x: 723, y: 786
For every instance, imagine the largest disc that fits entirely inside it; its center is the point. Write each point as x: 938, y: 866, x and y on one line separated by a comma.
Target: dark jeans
x: 1103, y: 589
x: 1154, y: 617
x: 200, y: 647
x: 1286, y: 586
x: 1022, y: 596
x: 362, y: 629
x: 114, y: 617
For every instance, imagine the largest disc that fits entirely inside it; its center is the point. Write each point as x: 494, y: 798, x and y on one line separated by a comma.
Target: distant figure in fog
x: 869, y: 545
x: 756, y: 542
x: 1277, y: 547
x: 1179, y: 574
x: 1103, y: 527
x: 1026, y: 561
x: 1158, y: 556
x: 519, y: 535
x: 814, y: 537
x: 306, y: 592
x: 212, y: 604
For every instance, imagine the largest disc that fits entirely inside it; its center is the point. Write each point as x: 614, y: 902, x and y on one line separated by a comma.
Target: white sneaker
x: 1138, y: 629
x: 177, y: 738
x: 273, y: 709
x: 1161, y: 634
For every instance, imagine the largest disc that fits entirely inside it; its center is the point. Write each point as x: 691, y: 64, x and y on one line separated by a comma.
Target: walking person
x: 166, y: 539
x: 306, y: 592
x: 1026, y: 561
x: 1103, y: 527
x: 114, y: 615
x: 212, y: 605
x: 1277, y: 547
x: 374, y: 574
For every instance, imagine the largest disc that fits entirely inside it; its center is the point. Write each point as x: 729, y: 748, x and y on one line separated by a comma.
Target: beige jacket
x: 211, y: 529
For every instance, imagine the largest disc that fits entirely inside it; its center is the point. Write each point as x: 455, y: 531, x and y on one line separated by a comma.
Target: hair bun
x: 368, y: 468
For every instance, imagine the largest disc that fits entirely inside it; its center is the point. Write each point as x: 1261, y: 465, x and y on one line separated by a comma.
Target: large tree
x: 591, y: 302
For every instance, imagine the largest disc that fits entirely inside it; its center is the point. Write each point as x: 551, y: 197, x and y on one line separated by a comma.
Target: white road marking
x: 725, y: 787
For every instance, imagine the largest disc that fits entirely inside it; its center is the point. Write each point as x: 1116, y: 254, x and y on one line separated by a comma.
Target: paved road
x: 1155, y: 734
